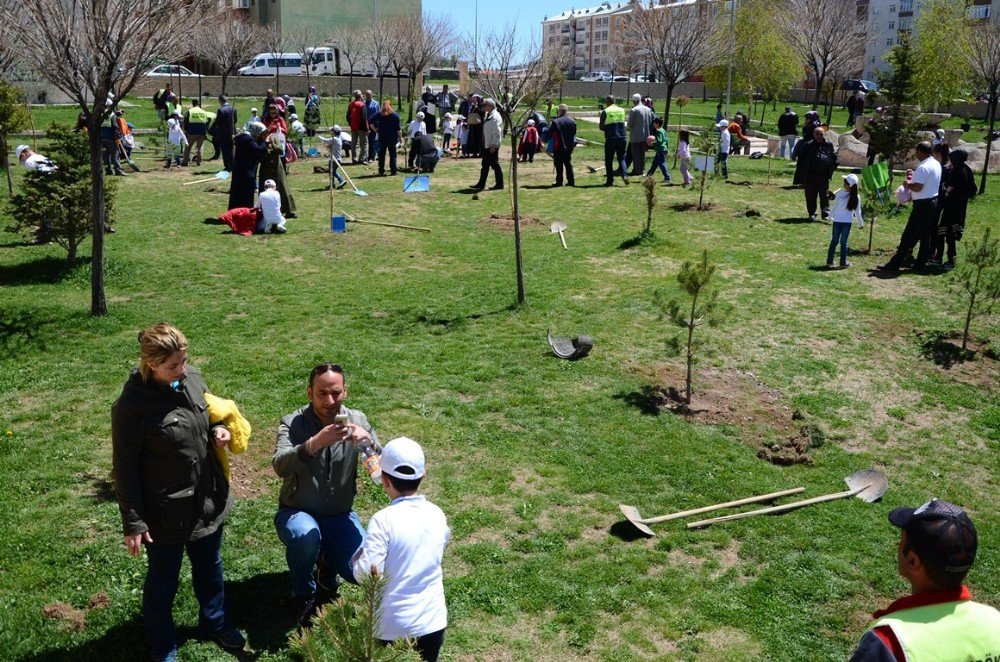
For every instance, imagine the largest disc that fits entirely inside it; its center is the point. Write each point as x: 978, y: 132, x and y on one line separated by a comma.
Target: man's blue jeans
x: 162, y: 577
x: 790, y: 141
x: 841, y: 231
x: 304, y: 535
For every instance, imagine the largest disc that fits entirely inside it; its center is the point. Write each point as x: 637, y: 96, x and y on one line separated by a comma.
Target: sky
x: 526, y: 14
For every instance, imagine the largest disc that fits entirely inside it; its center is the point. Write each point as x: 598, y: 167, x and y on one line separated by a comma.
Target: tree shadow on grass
x: 539, y: 187
x: 21, y: 329
x: 644, y: 238
x: 43, y: 271
x: 647, y: 399
x: 432, y: 319
x: 795, y: 220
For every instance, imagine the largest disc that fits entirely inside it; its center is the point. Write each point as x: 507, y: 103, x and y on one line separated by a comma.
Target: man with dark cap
x: 938, y: 620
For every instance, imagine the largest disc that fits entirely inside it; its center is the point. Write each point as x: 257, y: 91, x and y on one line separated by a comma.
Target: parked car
x: 596, y: 77
x: 172, y: 70
x: 267, y: 64
x: 866, y: 86
x: 621, y: 79
x: 640, y: 78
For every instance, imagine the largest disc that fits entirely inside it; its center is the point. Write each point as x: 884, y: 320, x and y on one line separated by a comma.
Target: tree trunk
x: 989, y: 143
x: 409, y: 95
x: 763, y: 109
x: 381, y: 80
x: 225, y: 77
x: 666, y: 106
x: 819, y: 91
x: 6, y: 165
x: 968, y: 315
x: 98, y: 214
x: 516, y: 215
x: 277, y: 79
x: 690, y: 352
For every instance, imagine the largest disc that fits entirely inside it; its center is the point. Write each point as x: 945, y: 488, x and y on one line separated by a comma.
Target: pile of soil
x: 732, y: 397
x: 71, y: 618
x: 692, y: 206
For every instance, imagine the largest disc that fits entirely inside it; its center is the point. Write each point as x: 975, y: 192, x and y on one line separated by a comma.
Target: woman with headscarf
x: 475, y: 121
x: 272, y: 168
x: 248, y: 148
x: 959, y: 186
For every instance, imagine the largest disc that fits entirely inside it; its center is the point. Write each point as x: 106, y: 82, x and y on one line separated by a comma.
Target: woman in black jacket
x: 958, y: 186
x: 170, y: 488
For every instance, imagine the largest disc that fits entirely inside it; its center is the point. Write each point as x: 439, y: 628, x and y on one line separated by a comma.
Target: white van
x: 269, y: 64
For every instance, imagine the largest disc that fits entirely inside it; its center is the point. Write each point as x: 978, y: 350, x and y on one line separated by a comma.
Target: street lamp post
x: 732, y: 53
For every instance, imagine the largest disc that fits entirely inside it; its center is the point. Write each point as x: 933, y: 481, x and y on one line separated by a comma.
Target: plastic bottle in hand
x: 369, y: 460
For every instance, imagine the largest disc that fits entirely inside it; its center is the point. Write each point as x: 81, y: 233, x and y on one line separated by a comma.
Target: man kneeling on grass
x: 938, y: 620
x: 405, y: 543
x: 317, y: 459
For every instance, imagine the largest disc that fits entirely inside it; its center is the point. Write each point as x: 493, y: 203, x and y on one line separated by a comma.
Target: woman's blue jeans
x: 840, y: 233
x: 162, y: 579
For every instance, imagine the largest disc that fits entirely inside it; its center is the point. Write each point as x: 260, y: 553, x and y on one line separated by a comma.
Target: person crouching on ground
x: 405, y: 544
x: 269, y: 203
x: 336, y: 144
x: 846, y: 209
x: 938, y: 620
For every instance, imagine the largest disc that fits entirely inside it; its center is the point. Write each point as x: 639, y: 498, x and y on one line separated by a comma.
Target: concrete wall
x: 256, y: 86
x: 576, y: 88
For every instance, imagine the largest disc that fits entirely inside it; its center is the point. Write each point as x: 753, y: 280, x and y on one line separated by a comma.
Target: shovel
x: 868, y: 485
x: 593, y: 169
x: 559, y: 227
x: 417, y: 183
x: 222, y: 175
x: 337, y: 223
x: 357, y: 191
x: 632, y: 513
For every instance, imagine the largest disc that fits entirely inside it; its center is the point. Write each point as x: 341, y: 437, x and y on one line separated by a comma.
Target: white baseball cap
x: 335, y: 128
x: 20, y: 150
x: 270, y: 184
x: 403, y: 458
x: 723, y: 124
x: 851, y: 179
x: 636, y: 97
x: 531, y: 122
x: 293, y: 116
x: 420, y: 116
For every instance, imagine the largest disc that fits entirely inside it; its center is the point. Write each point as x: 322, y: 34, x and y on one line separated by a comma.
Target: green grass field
x: 528, y: 455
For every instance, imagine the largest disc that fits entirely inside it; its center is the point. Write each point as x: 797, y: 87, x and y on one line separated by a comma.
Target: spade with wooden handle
x: 633, y: 516
x: 559, y: 227
x: 868, y: 485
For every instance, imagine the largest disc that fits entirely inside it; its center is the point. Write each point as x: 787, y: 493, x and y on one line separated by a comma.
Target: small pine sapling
x: 649, y: 186
x: 348, y: 632
x: 978, y: 277
x: 695, y: 279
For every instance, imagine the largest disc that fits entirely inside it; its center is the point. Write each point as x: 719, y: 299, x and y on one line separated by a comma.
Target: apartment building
x: 323, y: 16
x: 589, y: 32
x: 887, y: 19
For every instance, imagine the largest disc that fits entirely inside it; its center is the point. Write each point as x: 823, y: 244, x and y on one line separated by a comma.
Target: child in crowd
x: 684, y: 155
x: 336, y: 145
x: 530, y: 141
x: 176, y: 140
x: 725, y: 141
x: 298, y: 132
x: 463, y: 138
x: 846, y: 209
x: 405, y: 544
x: 269, y: 203
x: 449, y: 130
x: 416, y: 127
x: 254, y: 117
x: 661, y: 146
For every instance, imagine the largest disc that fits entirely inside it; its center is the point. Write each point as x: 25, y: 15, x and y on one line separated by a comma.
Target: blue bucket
x: 338, y: 224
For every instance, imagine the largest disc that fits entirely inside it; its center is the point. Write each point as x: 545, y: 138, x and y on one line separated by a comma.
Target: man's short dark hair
x: 223, y: 99
x: 404, y: 486
x: 609, y: 99
x: 324, y: 368
x: 925, y: 148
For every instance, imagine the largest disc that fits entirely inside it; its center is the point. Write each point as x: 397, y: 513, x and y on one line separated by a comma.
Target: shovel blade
x: 417, y: 184
x: 870, y: 484
x: 631, y: 513
x: 557, y: 227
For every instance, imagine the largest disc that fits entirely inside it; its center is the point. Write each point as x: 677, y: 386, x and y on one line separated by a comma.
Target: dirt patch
x: 692, y: 206
x: 506, y: 221
x: 247, y: 480
x: 732, y: 397
x: 976, y: 364
x: 72, y: 619
x: 99, y: 600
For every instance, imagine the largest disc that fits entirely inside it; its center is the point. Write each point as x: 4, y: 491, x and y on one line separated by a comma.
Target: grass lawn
x: 528, y: 455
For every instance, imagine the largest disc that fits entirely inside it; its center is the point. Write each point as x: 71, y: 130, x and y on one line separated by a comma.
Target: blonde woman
x: 170, y: 488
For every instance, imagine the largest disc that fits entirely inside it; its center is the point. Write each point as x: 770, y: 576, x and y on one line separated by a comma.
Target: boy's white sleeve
x: 374, y: 551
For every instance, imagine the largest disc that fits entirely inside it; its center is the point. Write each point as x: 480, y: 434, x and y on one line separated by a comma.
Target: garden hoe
x: 559, y: 227
x: 868, y: 485
x: 632, y: 513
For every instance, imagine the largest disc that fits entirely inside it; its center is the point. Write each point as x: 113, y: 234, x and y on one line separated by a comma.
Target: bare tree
x: 227, y: 41
x: 518, y: 89
x: 302, y: 39
x: 89, y: 50
x: 428, y: 36
x: 828, y: 35
x: 8, y: 53
x: 380, y: 41
x: 984, y: 60
x: 275, y: 42
x: 622, y: 58
x: 350, y: 43
x: 674, y: 40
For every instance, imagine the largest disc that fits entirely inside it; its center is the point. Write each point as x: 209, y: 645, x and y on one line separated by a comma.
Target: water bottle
x: 369, y: 460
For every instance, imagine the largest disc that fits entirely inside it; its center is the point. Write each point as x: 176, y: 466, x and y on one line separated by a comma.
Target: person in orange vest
x: 938, y: 621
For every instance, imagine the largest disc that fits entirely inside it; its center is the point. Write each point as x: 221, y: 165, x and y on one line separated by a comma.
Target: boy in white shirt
x: 269, y: 203
x: 449, y: 130
x: 176, y: 140
x: 405, y: 543
x: 298, y: 132
x: 415, y: 127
